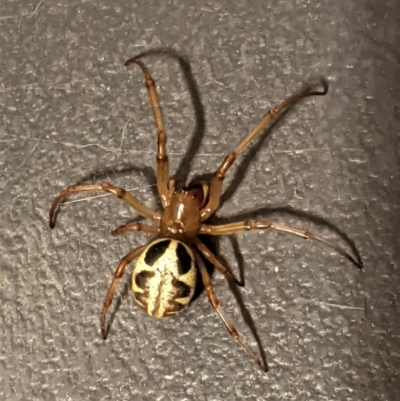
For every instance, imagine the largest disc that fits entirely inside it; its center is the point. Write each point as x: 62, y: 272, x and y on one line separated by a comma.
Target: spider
x: 165, y: 275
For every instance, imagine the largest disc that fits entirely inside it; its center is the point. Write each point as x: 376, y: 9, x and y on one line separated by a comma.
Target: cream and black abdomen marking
x: 164, y: 278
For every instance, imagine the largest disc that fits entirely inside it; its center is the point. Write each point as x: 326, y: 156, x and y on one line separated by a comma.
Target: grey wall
x: 328, y: 331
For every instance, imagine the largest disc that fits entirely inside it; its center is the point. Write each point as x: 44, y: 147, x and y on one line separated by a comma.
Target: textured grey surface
x: 328, y: 331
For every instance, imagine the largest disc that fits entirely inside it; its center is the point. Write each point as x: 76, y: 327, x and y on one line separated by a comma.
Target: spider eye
x: 196, y: 193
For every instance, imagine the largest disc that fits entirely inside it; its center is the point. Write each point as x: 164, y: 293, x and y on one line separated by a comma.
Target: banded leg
x: 215, y: 303
x: 117, y: 277
x: 118, y: 192
x: 136, y: 227
x: 233, y: 228
x: 213, y: 259
x: 268, y: 119
x: 162, y: 157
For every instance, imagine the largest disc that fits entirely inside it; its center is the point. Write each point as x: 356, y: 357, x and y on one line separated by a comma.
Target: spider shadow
x: 123, y: 295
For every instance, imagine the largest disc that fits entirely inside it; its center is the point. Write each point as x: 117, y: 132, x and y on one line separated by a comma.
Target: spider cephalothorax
x: 181, y: 218
x: 165, y: 274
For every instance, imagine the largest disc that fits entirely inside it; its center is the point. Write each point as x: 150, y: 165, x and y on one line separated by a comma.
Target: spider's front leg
x: 162, y: 156
x: 269, y: 118
x: 118, y: 192
x: 232, y: 228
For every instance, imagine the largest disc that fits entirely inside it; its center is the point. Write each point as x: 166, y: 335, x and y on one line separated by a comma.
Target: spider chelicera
x: 165, y: 274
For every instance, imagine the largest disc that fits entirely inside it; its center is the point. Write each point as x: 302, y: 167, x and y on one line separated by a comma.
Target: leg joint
x: 248, y: 225
x: 233, y: 331
x: 308, y: 235
x: 251, y: 224
x: 211, y: 296
x: 149, y: 82
x: 223, y: 168
x: 118, y: 192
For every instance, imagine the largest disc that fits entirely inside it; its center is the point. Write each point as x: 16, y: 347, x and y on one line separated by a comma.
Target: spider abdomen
x: 164, y: 278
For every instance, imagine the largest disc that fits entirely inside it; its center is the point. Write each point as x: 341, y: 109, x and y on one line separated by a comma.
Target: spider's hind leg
x: 213, y: 259
x: 117, y: 277
x: 215, y: 303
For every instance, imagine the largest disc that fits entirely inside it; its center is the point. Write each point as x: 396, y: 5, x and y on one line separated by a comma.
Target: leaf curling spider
x: 165, y: 274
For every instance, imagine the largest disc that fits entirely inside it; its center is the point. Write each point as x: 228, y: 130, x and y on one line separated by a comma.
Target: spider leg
x: 213, y: 259
x: 215, y: 303
x: 118, y: 192
x: 135, y: 227
x: 232, y: 228
x: 162, y: 157
x: 117, y: 277
x: 269, y: 118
